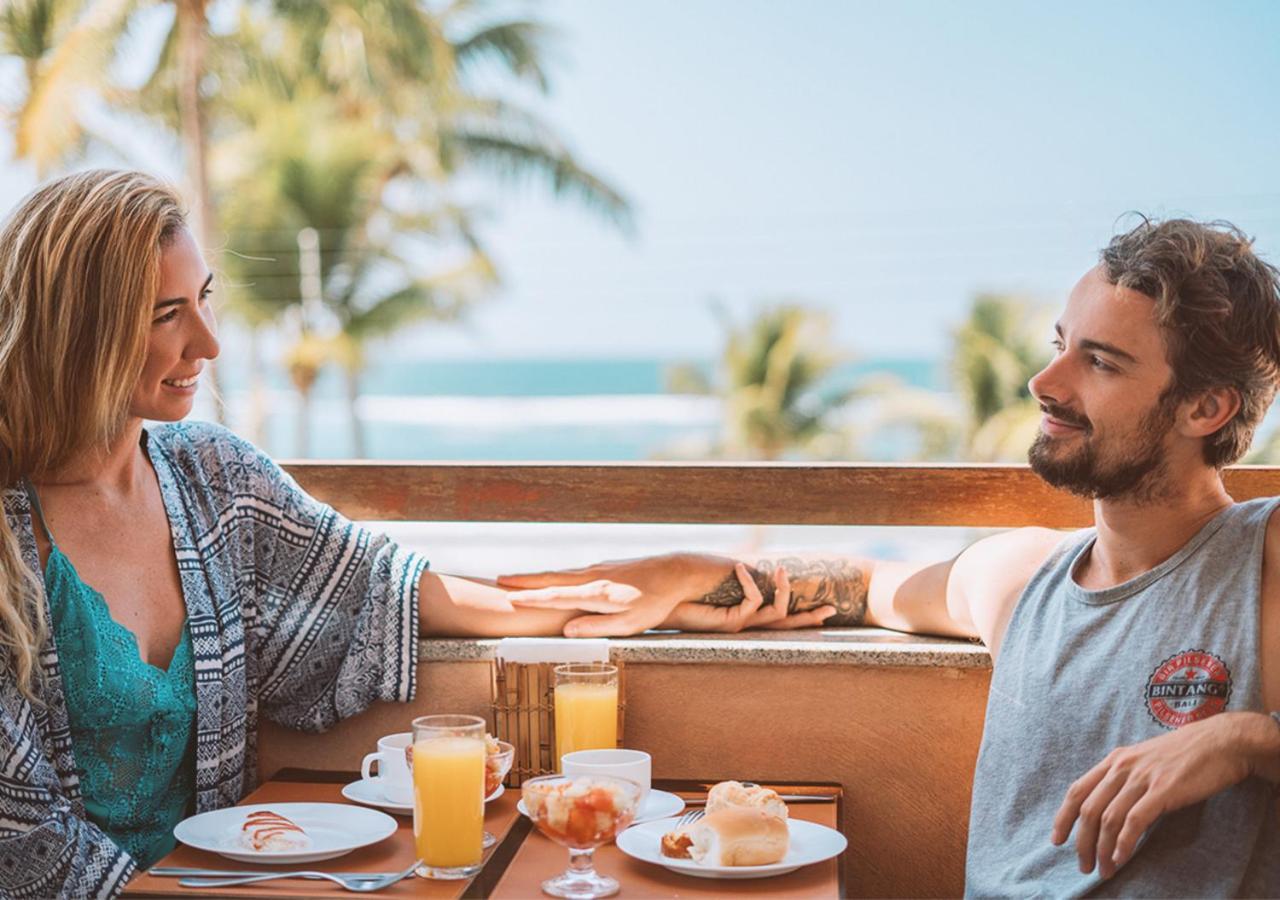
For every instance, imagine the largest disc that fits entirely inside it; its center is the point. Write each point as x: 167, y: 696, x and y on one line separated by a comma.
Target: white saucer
x: 658, y: 805
x: 810, y: 843
x: 366, y: 791
x: 334, y: 829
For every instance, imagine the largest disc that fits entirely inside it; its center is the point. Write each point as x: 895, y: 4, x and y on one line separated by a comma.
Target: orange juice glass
x: 586, y: 708
x: 448, y: 795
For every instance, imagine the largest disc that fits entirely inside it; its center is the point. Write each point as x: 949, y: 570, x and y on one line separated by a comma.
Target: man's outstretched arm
x: 903, y: 596
x: 969, y: 596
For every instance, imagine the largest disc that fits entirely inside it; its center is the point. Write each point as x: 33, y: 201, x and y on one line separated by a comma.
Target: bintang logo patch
x: 1187, y: 687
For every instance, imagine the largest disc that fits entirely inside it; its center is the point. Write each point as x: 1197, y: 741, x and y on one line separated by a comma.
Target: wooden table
x: 514, y: 868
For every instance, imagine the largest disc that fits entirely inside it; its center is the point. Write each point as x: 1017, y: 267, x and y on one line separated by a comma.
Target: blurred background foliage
x: 348, y: 121
x: 327, y: 147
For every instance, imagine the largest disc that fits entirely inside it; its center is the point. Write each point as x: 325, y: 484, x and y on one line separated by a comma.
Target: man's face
x: 1107, y: 414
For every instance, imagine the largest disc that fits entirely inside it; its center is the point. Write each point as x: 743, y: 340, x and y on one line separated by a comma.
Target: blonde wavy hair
x: 79, y: 275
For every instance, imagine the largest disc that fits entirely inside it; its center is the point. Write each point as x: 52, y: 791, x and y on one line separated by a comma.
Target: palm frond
x: 995, y: 352
x: 519, y: 46
x: 774, y: 369
x: 48, y: 125
x: 28, y: 28
x: 392, y: 312
x: 518, y: 160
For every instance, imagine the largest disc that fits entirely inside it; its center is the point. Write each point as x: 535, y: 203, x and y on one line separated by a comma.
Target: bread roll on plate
x: 738, y: 836
x: 735, y: 793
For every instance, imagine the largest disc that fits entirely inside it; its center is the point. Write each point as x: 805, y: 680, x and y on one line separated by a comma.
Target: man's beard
x: 1137, y: 474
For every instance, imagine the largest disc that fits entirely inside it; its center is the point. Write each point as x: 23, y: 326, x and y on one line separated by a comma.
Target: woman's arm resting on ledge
x: 455, y: 606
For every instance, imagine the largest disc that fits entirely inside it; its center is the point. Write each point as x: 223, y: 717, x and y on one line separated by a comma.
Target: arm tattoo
x: 819, y: 582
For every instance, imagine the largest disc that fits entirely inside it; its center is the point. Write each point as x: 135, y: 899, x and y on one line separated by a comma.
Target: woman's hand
x: 630, y: 596
x: 627, y: 596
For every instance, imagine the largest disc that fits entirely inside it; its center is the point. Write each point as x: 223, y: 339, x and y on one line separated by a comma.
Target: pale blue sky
x: 882, y: 160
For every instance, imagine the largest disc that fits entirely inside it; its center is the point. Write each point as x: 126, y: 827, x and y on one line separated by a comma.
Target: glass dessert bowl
x: 581, y: 812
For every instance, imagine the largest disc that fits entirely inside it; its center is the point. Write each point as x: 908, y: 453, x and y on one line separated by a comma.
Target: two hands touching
x: 629, y: 596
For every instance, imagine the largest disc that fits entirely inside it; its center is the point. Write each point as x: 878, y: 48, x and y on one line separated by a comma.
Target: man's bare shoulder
x: 1018, y: 547
x: 993, y: 572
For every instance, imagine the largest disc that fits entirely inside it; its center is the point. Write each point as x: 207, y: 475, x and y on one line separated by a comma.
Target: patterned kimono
x: 295, y: 614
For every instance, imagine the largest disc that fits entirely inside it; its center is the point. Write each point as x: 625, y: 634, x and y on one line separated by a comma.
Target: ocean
x: 511, y: 409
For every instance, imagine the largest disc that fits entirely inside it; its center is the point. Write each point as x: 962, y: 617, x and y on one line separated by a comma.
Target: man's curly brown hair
x: 1219, y: 307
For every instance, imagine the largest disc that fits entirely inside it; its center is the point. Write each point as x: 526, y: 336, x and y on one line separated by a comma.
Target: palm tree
x: 774, y: 373
x: 899, y: 414
x: 357, y: 119
x: 995, y: 353
x: 303, y: 361
x: 419, y: 73
x: 379, y: 266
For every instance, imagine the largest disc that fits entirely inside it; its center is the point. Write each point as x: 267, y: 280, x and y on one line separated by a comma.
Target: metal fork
x: 690, y: 817
x: 347, y: 882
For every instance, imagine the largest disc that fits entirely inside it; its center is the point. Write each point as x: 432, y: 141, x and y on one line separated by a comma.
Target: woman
x: 161, y: 588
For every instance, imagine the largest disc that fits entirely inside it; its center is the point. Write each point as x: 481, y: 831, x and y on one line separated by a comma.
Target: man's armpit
x: 992, y: 574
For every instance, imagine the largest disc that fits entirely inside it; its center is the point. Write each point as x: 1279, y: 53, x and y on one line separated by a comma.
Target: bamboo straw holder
x: 523, y: 711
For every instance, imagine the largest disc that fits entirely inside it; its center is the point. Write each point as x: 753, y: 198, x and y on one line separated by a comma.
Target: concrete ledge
x: 843, y: 646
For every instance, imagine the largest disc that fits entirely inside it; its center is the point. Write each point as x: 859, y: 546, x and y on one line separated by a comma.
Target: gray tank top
x: 1081, y: 673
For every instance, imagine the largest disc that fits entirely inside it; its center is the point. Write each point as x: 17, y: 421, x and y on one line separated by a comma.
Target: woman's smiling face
x: 183, y: 334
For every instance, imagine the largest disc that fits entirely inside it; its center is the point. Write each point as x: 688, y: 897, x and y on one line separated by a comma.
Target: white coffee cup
x: 634, y: 765
x: 394, y: 777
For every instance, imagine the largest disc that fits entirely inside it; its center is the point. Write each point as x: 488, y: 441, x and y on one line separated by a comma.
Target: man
x: 1136, y: 662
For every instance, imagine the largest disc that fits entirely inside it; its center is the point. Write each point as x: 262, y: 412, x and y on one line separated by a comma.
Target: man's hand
x: 751, y: 612
x: 630, y: 596
x: 1116, y: 801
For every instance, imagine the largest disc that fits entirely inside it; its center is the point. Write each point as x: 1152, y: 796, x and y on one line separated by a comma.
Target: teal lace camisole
x: 132, y: 724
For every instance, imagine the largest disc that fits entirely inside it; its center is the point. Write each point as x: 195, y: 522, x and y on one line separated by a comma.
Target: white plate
x: 334, y: 829
x: 658, y: 805
x: 810, y: 843
x: 366, y: 791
